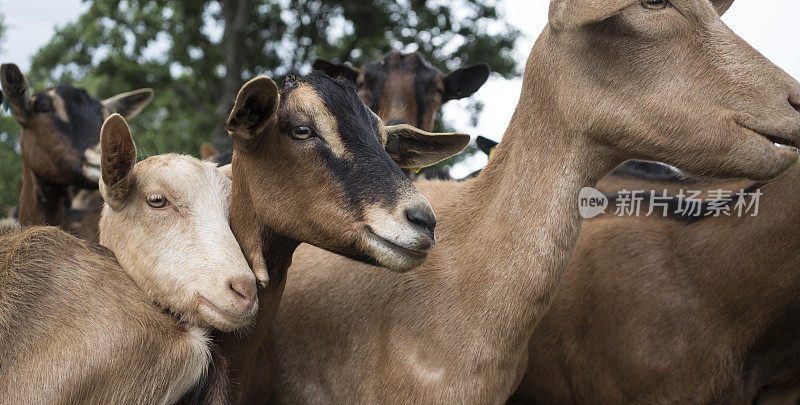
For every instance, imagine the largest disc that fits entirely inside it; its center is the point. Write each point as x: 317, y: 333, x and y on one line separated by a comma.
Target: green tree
x: 10, y: 160
x: 197, y: 53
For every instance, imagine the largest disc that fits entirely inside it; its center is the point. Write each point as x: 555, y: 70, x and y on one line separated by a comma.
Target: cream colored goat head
x: 167, y: 221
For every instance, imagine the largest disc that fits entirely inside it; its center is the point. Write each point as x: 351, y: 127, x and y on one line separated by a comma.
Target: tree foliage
x: 10, y: 161
x: 197, y: 53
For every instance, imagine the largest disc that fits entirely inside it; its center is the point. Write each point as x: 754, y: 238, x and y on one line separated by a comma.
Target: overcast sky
x: 771, y: 26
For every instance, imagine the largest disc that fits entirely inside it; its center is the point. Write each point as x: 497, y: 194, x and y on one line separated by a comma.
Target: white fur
x: 185, y: 253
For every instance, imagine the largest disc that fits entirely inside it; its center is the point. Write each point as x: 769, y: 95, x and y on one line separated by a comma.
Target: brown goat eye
x: 654, y: 4
x: 301, y: 133
x: 157, y: 201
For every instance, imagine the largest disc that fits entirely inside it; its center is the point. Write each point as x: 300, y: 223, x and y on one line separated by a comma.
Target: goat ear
x: 568, y: 14
x: 255, y: 106
x: 411, y: 147
x: 722, y: 5
x: 465, y: 82
x: 208, y: 151
x: 118, y: 156
x: 333, y: 70
x: 129, y: 104
x: 16, y: 92
x: 486, y: 145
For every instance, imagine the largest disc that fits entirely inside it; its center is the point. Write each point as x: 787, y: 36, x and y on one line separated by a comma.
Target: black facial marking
x: 371, y: 177
x: 85, y: 115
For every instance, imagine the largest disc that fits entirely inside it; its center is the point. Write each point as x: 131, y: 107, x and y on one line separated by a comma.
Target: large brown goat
x: 606, y: 81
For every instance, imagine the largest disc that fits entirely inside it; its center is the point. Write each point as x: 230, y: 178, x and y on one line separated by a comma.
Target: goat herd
x: 315, y: 212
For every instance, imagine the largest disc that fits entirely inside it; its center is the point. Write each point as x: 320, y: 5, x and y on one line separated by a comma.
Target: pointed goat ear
x: 129, y: 104
x: 334, y: 70
x: 486, y: 145
x: 255, y: 106
x: 16, y: 92
x: 118, y: 156
x: 465, y: 82
x: 411, y: 147
x: 569, y: 14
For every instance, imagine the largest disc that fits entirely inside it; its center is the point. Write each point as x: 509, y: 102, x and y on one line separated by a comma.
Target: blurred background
x: 197, y: 53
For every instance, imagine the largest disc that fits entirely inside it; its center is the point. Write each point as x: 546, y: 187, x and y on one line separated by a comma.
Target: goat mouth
x: 91, y: 164
x: 91, y: 172
x: 783, y: 143
x: 779, y: 142
x: 404, y: 251
x: 225, y: 314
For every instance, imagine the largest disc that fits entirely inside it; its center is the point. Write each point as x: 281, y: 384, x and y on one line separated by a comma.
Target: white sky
x: 769, y: 25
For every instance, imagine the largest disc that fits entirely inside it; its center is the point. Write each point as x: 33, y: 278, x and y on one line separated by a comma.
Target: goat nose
x: 422, y: 217
x: 244, y: 288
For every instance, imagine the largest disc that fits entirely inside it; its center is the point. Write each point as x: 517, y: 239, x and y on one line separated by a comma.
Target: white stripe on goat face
x: 183, y: 255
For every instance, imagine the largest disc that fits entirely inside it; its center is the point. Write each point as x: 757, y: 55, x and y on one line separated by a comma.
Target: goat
x: 76, y: 326
x: 311, y: 163
x: 606, y: 81
x: 59, y: 144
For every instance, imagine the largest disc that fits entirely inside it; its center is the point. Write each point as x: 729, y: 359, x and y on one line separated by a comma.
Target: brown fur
x: 287, y: 190
x: 606, y: 81
x: 180, y: 256
x: 652, y: 310
x: 60, y: 296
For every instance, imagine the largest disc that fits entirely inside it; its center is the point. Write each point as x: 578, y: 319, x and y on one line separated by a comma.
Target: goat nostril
x: 245, y: 288
x: 422, y: 217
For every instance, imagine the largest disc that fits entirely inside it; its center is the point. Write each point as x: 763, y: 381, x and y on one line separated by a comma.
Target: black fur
x: 85, y: 117
x: 372, y: 177
x: 646, y: 170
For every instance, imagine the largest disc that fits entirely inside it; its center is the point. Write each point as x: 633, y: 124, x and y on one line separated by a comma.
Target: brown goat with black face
x: 311, y: 163
x: 59, y: 143
x: 405, y: 88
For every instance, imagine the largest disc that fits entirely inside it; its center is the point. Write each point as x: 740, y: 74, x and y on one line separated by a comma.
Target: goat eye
x: 654, y: 4
x: 301, y: 133
x: 157, y: 201
x: 43, y: 105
